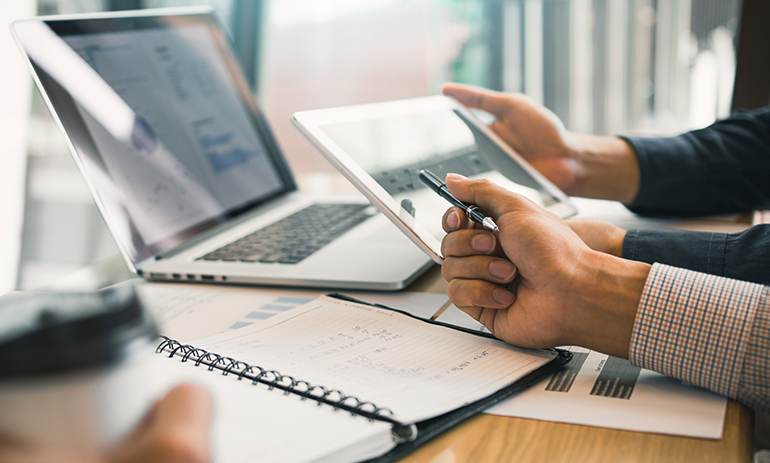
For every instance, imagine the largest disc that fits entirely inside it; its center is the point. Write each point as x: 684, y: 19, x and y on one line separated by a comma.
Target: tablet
x: 382, y: 147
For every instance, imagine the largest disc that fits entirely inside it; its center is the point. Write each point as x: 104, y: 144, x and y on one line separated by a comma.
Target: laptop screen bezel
x: 81, y: 143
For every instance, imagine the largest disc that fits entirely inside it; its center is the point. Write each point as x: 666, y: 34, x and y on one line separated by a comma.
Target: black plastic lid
x: 43, y: 332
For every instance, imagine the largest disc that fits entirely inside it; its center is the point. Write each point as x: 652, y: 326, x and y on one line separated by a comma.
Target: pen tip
x: 489, y: 224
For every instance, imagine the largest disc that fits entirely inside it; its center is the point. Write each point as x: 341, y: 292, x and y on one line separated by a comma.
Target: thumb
x: 496, y: 103
x: 494, y: 200
x: 186, y: 409
x: 176, y: 430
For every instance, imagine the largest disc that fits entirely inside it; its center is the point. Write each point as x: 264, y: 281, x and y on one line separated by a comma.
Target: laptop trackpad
x: 385, y: 234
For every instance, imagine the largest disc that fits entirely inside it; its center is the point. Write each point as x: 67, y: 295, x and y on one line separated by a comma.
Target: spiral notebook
x: 385, y: 381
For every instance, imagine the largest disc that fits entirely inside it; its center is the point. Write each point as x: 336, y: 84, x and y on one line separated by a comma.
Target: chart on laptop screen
x: 193, y: 152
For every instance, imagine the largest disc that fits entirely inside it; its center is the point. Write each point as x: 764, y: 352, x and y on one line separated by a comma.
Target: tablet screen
x: 393, y: 149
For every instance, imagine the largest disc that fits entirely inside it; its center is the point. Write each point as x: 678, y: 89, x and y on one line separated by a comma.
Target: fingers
x: 473, y: 242
x: 492, y: 199
x: 492, y: 269
x: 495, y: 103
x: 599, y: 235
x: 455, y: 219
x: 16, y: 451
x: 475, y: 295
x: 176, y: 431
x: 186, y: 411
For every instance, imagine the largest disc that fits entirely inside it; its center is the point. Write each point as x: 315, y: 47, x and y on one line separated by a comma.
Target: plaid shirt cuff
x: 754, y: 387
x: 700, y: 328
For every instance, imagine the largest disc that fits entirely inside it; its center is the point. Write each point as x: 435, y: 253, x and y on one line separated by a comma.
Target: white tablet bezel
x: 309, y: 123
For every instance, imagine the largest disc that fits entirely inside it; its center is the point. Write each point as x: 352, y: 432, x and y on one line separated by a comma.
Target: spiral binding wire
x: 275, y: 380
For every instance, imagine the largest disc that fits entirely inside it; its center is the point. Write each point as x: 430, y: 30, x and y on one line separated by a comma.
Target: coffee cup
x: 74, y: 366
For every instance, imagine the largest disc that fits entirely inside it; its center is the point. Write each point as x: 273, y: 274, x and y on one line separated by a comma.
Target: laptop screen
x: 163, y: 124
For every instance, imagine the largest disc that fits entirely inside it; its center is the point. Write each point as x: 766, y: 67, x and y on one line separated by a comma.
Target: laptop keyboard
x: 293, y: 238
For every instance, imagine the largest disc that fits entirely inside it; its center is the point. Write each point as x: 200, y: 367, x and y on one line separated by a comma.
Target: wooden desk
x: 490, y: 438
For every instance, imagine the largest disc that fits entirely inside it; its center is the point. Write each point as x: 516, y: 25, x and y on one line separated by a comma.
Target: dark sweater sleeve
x: 742, y: 256
x: 721, y: 169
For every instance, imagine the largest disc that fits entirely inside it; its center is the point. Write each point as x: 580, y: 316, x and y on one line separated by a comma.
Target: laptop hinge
x: 196, y: 240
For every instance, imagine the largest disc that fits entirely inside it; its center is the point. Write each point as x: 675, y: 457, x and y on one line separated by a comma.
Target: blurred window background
x: 603, y: 66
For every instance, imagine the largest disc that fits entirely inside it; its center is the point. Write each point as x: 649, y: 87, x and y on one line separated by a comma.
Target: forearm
x: 605, y: 298
x: 607, y: 168
x: 708, y: 331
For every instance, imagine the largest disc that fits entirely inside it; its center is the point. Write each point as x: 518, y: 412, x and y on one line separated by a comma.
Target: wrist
x: 618, y: 238
x: 607, y: 168
x: 607, y: 294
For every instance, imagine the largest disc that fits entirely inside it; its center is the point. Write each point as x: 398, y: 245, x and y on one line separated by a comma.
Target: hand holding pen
x: 472, y: 211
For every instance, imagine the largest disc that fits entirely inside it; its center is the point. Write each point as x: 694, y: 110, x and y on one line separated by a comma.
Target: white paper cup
x: 86, y: 404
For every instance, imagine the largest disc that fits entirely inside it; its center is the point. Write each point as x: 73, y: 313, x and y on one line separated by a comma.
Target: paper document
x: 454, y: 316
x: 598, y: 390
x: 416, y: 370
x: 193, y: 311
x: 617, y: 214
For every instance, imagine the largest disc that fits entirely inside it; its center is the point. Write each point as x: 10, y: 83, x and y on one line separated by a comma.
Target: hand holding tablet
x: 381, y: 148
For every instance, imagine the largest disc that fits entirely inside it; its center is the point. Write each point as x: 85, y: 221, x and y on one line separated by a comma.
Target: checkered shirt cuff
x: 754, y: 387
x: 701, y: 329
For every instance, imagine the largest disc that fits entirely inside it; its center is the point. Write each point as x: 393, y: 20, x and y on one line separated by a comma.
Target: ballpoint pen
x: 471, y: 210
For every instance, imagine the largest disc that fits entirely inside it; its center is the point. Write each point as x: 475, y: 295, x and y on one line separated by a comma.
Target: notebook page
x: 254, y: 424
x: 415, y: 369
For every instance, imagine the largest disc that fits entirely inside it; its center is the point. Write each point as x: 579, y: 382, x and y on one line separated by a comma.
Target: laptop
x: 183, y: 165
